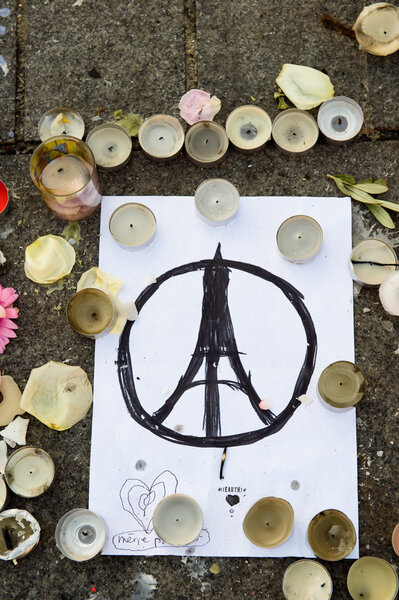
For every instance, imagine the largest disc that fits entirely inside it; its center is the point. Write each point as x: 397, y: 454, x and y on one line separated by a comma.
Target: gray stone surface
x: 127, y: 55
x: 7, y: 69
x: 252, y: 40
x: 44, y: 335
x: 383, y: 80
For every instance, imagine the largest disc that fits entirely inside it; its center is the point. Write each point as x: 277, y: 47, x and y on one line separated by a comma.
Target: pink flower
x: 7, y: 312
x: 197, y: 105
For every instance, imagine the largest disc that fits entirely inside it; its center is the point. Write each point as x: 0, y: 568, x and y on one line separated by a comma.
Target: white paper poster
x: 190, y: 385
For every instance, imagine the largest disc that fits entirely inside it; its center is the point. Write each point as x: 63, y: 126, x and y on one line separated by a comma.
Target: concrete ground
x: 141, y: 56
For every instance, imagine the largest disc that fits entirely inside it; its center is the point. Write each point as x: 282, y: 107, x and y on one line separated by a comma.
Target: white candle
x: 177, y: 520
x: 342, y: 384
x: 80, y: 534
x: 65, y: 175
x: 206, y: 143
x: 133, y: 225
x: 91, y: 313
x: 248, y: 128
x: 331, y: 535
x: 269, y: 522
x: 340, y: 119
x: 61, y: 121
x: 161, y: 137
x: 307, y: 580
x: 29, y: 472
x: 377, y: 29
x: 217, y: 201
x: 371, y: 578
x: 19, y: 534
x: 371, y: 261
x: 299, y: 238
x: 111, y: 146
x: 295, y: 131
x: 3, y: 494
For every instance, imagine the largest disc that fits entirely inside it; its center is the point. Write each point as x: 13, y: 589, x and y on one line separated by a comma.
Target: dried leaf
x: 282, y: 105
x: 361, y: 196
x: 381, y: 215
x: 346, y: 178
x: 391, y: 205
x: 372, y: 188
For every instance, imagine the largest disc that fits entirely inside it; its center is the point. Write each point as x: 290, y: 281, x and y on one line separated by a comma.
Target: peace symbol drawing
x: 216, y: 341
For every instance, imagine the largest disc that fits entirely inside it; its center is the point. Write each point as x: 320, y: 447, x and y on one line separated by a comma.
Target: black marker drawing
x: 216, y: 340
x: 140, y: 500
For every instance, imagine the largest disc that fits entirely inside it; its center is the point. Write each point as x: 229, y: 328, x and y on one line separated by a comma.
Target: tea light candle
x: 206, y: 143
x: 161, y: 137
x: 342, y: 384
x: 63, y: 169
x: 331, y: 535
x: 269, y: 522
x: 80, y: 534
x: 61, y: 121
x: 299, y: 238
x: 4, y: 199
x: 340, y: 119
x: 91, y: 313
x: 217, y: 201
x: 248, y: 128
x: 295, y: 131
x: 307, y: 580
x: 29, y: 472
x: 3, y: 494
x: 177, y: 520
x: 395, y: 539
x: 19, y: 534
x: 111, y: 146
x: 371, y: 578
x: 371, y: 261
x: 133, y: 225
x: 377, y: 29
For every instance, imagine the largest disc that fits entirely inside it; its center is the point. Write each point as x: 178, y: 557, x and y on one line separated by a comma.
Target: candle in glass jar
x: 217, y: 201
x: 248, y: 128
x: 307, y: 580
x: 133, y: 225
x: 29, y: 472
x: 295, y: 131
x: 206, y: 143
x: 342, y: 384
x: 299, y: 238
x: 63, y: 169
x: 371, y: 261
x: 177, y: 520
x: 80, y: 534
x: 331, y: 535
x: 340, y: 119
x: 161, y: 137
x: 61, y: 121
x: 111, y: 146
x: 372, y: 578
x: 269, y: 522
x: 91, y: 313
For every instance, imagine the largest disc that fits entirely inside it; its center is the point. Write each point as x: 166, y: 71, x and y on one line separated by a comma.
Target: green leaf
x: 381, y: 181
x: 372, y: 188
x: 346, y: 178
x: 381, y: 215
x: 391, y: 205
x: 361, y: 196
x: 340, y: 185
x: 278, y: 94
x: 282, y: 105
x: 365, y: 181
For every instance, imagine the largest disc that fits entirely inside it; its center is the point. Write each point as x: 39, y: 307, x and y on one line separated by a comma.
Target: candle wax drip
x: 248, y: 131
x: 339, y: 123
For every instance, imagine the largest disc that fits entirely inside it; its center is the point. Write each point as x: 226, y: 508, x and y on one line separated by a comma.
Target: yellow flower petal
x: 304, y: 86
x: 48, y: 259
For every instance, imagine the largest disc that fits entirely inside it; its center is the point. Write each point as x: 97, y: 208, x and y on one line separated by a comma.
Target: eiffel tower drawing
x: 216, y: 342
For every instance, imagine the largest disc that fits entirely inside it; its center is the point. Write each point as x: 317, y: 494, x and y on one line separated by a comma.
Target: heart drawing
x: 140, y: 500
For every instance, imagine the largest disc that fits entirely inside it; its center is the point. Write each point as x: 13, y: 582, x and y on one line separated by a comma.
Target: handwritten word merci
x: 137, y: 541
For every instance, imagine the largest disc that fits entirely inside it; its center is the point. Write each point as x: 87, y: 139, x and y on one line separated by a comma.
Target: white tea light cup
x: 177, y: 520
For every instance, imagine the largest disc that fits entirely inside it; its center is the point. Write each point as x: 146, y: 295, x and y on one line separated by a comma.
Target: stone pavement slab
x: 242, y: 49
x: 7, y: 69
x: 44, y: 335
x: 127, y: 55
x: 383, y: 82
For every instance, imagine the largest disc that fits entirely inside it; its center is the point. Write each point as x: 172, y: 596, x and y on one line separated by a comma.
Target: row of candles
x: 178, y: 520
